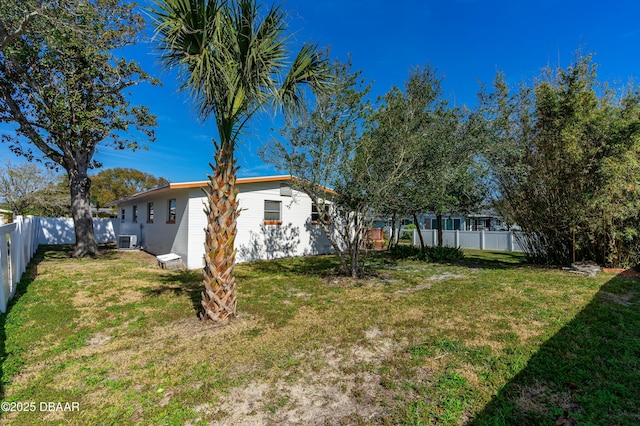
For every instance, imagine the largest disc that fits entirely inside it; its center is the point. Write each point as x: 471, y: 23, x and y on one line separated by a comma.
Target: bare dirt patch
x: 326, y: 395
x: 539, y: 398
x: 323, y: 397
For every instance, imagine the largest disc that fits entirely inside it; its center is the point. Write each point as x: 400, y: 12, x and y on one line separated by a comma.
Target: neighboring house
x: 425, y: 221
x: 6, y: 216
x: 275, y: 221
x: 102, y: 212
x: 449, y: 222
x: 486, y: 220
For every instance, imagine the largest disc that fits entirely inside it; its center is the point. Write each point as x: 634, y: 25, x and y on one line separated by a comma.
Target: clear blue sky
x: 466, y: 40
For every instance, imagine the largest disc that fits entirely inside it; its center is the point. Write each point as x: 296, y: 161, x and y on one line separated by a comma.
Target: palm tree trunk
x: 219, y: 295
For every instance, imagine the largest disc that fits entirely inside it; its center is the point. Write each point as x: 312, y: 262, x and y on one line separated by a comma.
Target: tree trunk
x: 219, y: 295
x: 356, y: 243
x: 393, y: 232
x: 86, y: 244
x: 415, y: 221
x: 439, y: 226
x: 355, y: 267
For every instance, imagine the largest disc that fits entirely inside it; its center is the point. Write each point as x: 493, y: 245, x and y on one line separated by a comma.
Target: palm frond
x: 309, y: 68
x: 189, y: 34
x: 232, y: 58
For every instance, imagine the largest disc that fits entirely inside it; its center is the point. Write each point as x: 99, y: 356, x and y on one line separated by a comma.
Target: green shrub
x: 404, y: 252
x: 427, y: 254
x: 447, y: 254
x: 408, y: 231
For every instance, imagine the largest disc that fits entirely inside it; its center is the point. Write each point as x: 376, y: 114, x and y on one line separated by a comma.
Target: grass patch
x: 482, y: 340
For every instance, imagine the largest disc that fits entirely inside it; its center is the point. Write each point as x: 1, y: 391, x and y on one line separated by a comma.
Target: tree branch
x: 28, y: 129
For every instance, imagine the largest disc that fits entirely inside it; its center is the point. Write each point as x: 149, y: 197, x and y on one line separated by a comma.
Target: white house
x: 275, y: 221
x: 483, y: 220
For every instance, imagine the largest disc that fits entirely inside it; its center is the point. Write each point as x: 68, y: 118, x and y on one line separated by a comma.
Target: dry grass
x: 122, y: 338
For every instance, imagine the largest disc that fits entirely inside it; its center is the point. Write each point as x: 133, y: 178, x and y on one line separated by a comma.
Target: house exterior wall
x: 256, y: 239
x: 159, y: 236
x: 195, y: 230
x: 293, y: 235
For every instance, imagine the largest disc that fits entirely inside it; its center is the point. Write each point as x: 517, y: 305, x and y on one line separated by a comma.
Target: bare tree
x: 31, y: 189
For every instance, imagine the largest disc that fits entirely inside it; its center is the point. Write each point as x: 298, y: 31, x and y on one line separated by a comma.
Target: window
x: 272, y: 212
x: 135, y: 214
x: 315, y: 214
x: 122, y: 215
x: 171, y: 208
x: 149, y: 212
x: 456, y: 224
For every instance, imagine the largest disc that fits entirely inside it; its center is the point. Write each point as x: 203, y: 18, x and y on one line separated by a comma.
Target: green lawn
x: 487, y: 340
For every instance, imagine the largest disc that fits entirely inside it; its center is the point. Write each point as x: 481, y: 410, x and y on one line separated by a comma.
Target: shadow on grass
x: 494, y: 259
x: 319, y: 265
x: 472, y: 259
x: 590, y: 369
x: 187, y: 283
x: 27, y: 278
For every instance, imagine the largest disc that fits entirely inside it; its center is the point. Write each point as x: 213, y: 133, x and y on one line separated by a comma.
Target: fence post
x: 15, y: 256
x: 5, y: 279
x: 510, y: 241
x: 457, y: 238
x: 482, y: 239
x: 35, y: 234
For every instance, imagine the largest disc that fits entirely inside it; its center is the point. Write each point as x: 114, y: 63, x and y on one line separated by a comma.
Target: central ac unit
x: 127, y: 242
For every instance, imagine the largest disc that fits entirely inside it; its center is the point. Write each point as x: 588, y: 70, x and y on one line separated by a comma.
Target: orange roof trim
x: 202, y: 184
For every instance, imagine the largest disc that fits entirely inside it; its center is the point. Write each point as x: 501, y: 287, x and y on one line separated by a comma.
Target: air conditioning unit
x: 127, y: 242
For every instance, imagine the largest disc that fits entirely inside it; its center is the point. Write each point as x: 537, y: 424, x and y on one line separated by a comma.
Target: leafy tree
x: 114, y: 184
x: 451, y: 175
x: 63, y: 88
x: 233, y: 61
x: 23, y: 14
x: 323, y: 147
x: 29, y: 189
x: 436, y: 146
x: 566, y: 165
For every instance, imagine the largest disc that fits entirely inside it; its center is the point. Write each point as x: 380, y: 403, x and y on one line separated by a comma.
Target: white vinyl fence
x: 19, y: 241
x: 479, y: 240
x: 60, y: 230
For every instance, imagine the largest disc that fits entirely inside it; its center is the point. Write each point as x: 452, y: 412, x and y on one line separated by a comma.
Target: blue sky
x: 468, y: 41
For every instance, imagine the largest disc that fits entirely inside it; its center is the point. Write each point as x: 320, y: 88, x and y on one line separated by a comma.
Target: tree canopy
x: 566, y: 165
x: 319, y: 146
x: 63, y: 88
x: 435, y: 145
x: 30, y: 189
x: 114, y: 184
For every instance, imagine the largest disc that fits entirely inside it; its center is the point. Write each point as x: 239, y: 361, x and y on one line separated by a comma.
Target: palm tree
x: 233, y: 61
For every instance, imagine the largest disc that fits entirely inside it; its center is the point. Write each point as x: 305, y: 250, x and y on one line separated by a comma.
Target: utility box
x: 170, y: 261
